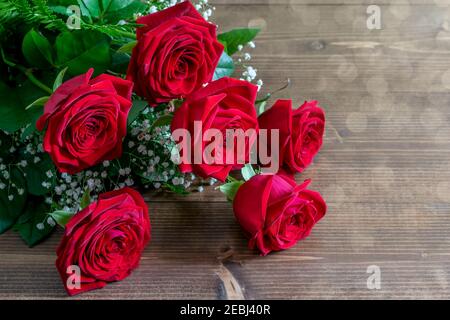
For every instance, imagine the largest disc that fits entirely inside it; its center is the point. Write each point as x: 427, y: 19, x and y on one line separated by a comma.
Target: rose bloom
x: 275, y: 212
x: 86, y: 121
x: 301, y: 132
x: 105, y: 240
x: 176, y: 53
x: 225, y: 104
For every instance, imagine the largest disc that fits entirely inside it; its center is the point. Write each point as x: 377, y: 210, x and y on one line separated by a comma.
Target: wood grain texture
x: 384, y: 169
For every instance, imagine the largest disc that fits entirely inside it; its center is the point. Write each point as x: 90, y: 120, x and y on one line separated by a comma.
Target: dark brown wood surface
x: 384, y: 169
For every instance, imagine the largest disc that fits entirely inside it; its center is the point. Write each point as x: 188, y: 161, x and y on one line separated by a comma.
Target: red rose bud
x: 176, y: 53
x: 86, y: 121
x: 225, y: 106
x: 300, y: 131
x: 103, y: 242
x: 275, y: 212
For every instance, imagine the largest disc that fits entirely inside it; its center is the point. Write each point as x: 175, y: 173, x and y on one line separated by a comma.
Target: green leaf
x: 176, y: 189
x: 136, y: 109
x: 230, y: 189
x: 10, y: 210
x: 85, y: 199
x: 13, y: 115
x: 37, y: 50
x: 7, y: 142
x: 80, y: 50
x: 236, y: 37
x: 261, y: 107
x: 62, y: 217
x: 90, y: 8
x: 116, y: 10
x: 120, y: 62
x: 35, y: 224
x: 34, y: 114
x: 164, y: 120
x: 127, y: 48
x: 37, y: 174
x: 225, y: 67
x: 37, y: 103
x: 59, y: 79
x: 248, y: 172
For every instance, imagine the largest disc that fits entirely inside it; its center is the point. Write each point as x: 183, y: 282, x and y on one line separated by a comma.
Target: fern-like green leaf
x: 33, y: 12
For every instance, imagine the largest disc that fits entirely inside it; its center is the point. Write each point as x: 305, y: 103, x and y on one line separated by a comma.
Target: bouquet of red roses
x: 100, y: 99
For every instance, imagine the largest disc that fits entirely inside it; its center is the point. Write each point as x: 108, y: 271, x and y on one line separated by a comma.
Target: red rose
x: 87, y: 120
x: 275, y: 212
x: 105, y: 241
x: 301, y: 132
x: 176, y: 53
x: 225, y: 104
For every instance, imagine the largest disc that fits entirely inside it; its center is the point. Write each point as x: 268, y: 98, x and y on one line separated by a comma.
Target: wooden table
x: 384, y: 169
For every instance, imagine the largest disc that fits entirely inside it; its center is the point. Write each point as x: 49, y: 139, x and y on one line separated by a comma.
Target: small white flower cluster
x: 205, y: 9
x: 150, y: 152
x: 19, y: 152
x: 202, y: 6
x: 249, y: 73
x: 157, y: 5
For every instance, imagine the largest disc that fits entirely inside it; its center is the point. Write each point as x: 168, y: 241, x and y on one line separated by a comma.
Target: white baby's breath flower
x: 51, y: 222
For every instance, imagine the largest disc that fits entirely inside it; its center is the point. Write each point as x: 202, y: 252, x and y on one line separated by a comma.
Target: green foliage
x: 235, y: 38
x: 37, y: 50
x: 38, y: 103
x: 37, y: 174
x: 35, y: 225
x: 59, y: 79
x: 119, y: 62
x: 248, y: 172
x: 31, y: 12
x: 83, y: 49
x: 12, y: 202
x: 85, y: 199
x: 61, y: 217
x: 225, y: 67
x: 128, y: 47
x: 136, y: 109
x: 230, y: 189
x: 13, y: 102
x: 164, y: 120
x: 261, y: 107
x: 116, y: 10
x: 52, y: 15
